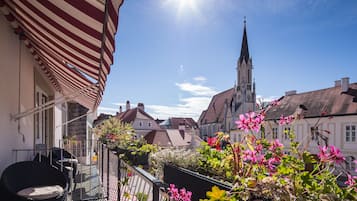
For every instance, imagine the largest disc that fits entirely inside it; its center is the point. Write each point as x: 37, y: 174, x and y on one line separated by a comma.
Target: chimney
x: 181, y: 126
x: 120, y: 109
x: 345, y: 83
x: 337, y: 83
x: 289, y: 93
x: 127, y: 105
x: 141, y: 106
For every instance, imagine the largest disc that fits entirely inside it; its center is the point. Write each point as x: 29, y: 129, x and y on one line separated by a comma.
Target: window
x: 262, y: 133
x: 41, y: 118
x: 350, y: 133
x: 350, y: 164
x: 149, y: 124
x: 140, y: 123
x: 275, y: 133
x: 286, y: 133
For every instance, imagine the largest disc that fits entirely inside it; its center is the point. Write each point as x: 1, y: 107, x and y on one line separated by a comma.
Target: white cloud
x: 261, y: 98
x: 107, y: 110
x: 188, y: 107
x: 196, y: 89
x: 192, y: 106
x: 200, y: 79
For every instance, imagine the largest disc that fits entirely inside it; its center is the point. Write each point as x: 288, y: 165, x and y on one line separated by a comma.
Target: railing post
x: 108, y: 184
x: 156, y: 190
x: 119, y: 178
x: 102, y: 161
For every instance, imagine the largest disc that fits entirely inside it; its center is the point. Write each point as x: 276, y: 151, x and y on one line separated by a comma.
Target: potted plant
x: 260, y: 169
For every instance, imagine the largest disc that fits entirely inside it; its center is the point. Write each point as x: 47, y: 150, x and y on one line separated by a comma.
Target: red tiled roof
x: 130, y: 115
x: 214, y: 112
x: 158, y: 137
x: 323, y: 102
x: 176, y: 121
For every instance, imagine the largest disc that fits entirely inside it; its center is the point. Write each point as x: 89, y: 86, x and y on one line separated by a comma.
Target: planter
x: 134, y: 159
x: 196, y: 183
x: 137, y: 159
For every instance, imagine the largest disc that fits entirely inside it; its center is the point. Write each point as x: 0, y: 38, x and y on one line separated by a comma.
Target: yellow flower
x: 216, y: 194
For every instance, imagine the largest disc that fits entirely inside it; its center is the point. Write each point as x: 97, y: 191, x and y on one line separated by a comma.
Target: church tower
x: 245, y: 88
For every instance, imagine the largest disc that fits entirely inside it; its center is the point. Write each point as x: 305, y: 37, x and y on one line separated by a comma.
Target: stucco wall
x: 335, y: 126
x: 14, y: 134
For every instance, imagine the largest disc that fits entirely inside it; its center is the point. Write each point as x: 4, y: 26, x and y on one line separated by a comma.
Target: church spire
x: 244, y: 52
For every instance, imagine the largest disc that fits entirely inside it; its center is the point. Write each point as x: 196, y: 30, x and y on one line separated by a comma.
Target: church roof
x: 244, y: 52
x: 324, y: 102
x: 215, y: 110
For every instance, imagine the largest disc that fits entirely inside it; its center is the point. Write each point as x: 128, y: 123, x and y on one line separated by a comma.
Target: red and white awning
x: 72, y: 40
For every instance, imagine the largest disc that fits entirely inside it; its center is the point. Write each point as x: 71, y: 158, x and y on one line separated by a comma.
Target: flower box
x: 196, y: 183
x: 135, y: 159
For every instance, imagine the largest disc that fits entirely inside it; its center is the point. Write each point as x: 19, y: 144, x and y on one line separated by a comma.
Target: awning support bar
x: 51, y: 103
x: 74, y: 119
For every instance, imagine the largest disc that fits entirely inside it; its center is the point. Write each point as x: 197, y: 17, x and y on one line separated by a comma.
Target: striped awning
x: 72, y: 41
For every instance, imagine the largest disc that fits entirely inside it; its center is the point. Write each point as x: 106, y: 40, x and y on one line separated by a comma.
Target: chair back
x: 29, y: 174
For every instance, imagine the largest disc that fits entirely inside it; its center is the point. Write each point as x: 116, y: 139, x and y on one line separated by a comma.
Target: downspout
x: 19, y: 92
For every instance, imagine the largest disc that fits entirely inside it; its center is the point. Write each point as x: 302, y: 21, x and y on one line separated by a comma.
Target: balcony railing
x: 102, y: 174
x: 125, y: 182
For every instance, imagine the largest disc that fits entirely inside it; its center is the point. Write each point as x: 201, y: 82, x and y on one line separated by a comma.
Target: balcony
x: 99, y: 175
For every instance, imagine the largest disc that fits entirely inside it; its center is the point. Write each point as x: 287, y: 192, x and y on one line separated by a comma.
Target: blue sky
x: 173, y: 55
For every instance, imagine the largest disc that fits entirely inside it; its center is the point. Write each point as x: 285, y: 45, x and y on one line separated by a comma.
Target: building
x: 176, y: 122
x: 49, y: 56
x: 325, y: 116
x: 141, y: 121
x: 226, y: 106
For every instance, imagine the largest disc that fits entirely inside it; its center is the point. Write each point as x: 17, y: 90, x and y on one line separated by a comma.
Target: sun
x: 184, y: 7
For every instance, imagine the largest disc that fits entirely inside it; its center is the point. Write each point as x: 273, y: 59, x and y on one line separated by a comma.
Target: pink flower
x: 275, y: 145
x: 286, y: 120
x: 250, y: 121
x: 272, y: 162
x: 336, y: 155
x: 259, y: 148
x: 250, y: 156
x: 323, y: 154
x: 351, y: 180
x: 179, y: 195
x: 330, y: 154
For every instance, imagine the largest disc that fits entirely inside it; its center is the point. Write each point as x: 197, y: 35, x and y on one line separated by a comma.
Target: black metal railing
x: 124, y: 182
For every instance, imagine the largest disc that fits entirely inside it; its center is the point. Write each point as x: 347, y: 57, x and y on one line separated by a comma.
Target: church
x: 225, y: 107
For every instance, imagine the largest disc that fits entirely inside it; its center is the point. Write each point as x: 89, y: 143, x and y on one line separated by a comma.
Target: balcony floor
x: 87, y: 184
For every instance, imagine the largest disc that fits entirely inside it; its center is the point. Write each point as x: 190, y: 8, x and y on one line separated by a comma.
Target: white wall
x: 58, y: 130
x: 14, y: 135
x: 335, y: 125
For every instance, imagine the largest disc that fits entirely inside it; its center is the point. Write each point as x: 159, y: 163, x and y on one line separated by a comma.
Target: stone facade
x: 78, y: 128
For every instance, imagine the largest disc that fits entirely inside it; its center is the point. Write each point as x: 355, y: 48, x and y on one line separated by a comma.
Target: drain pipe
x: 21, y: 37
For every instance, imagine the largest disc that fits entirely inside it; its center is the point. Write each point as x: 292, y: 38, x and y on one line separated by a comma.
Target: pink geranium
x: 330, y: 154
x: 275, y: 145
x: 286, y: 120
x: 351, y: 181
x: 179, y: 195
x: 250, y: 121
